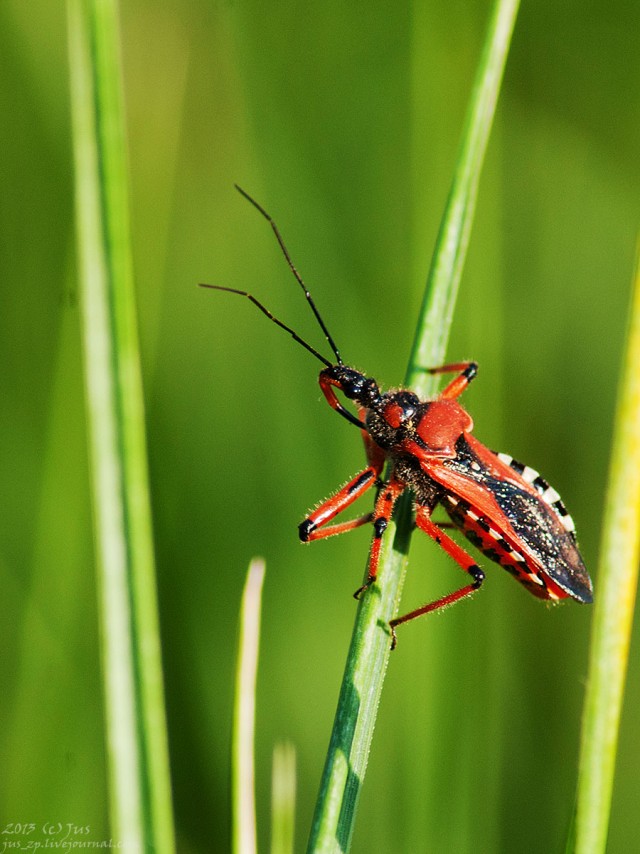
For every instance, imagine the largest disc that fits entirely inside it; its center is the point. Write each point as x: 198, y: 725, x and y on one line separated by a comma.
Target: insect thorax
x: 426, y: 491
x: 394, y: 418
x: 381, y: 431
x: 406, y: 408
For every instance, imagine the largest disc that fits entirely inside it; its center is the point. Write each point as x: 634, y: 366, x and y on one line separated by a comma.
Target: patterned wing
x: 515, y: 518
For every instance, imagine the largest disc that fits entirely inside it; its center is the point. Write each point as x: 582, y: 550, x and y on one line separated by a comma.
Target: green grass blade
x: 353, y: 726
x: 368, y: 654
x: 139, y: 785
x: 242, y: 764
x: 614, y: 606
x: 436, y: 314
x: 283, y: 799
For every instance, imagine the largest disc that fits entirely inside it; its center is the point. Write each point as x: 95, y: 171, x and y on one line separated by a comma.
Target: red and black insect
x: 506, y: 509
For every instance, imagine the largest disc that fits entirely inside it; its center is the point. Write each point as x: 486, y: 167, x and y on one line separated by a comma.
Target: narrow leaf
x: 614, y: 606
x: 139, y: 785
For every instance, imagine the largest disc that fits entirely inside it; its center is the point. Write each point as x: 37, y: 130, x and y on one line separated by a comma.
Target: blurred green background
x: 343, y: 120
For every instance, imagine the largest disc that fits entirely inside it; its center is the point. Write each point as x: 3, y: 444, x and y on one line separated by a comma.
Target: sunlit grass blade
x: 368, y: 654
x: 139, y: 785
x: 283, y: 798
x: 242, y: 764
x: 614, y: 606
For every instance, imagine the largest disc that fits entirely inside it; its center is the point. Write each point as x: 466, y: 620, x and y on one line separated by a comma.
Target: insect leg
x: 326, y: 384
x: 464, y: 561
x: 313, y: 526
x: 310, y: 529
x: 467, y: 371
x: 387, y: 498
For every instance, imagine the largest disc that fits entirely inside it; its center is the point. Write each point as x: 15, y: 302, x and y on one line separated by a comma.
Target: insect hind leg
x: 464, y: 561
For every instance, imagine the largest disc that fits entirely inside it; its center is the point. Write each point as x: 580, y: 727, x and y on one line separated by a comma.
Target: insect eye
x: 358, y: 387
x: 352, y: 385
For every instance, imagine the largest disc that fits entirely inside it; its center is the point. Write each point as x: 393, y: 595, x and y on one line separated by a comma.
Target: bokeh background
x: 344, y: 120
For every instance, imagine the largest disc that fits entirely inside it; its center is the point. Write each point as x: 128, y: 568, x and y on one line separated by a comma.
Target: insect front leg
x: 327, y: 384
x: 464, y: 561
x: 313, y: 526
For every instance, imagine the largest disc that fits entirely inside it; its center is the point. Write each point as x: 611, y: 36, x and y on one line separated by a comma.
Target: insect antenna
x: 293, y: 269
x: 272, y: 317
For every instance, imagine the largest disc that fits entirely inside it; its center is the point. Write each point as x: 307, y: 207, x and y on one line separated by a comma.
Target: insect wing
x: 492, y: 493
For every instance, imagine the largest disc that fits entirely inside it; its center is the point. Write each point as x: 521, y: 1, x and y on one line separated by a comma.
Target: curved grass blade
x: 368, y: 654
x: 614, y: 606
x: 242, y: 764
x: 138, y: 766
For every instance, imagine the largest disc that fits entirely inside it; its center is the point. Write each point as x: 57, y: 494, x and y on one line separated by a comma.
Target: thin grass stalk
x: 614, y: 606
x: 242, y: 742
x: 368, y: 655
x: 137, y: 756
x: 283, y: 798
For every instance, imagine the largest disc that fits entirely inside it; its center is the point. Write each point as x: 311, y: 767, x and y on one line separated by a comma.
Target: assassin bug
x: 506, y: 509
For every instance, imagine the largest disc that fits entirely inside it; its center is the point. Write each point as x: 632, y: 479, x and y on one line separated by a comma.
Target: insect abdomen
x: 519, y: 506
x: 490, y: 541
